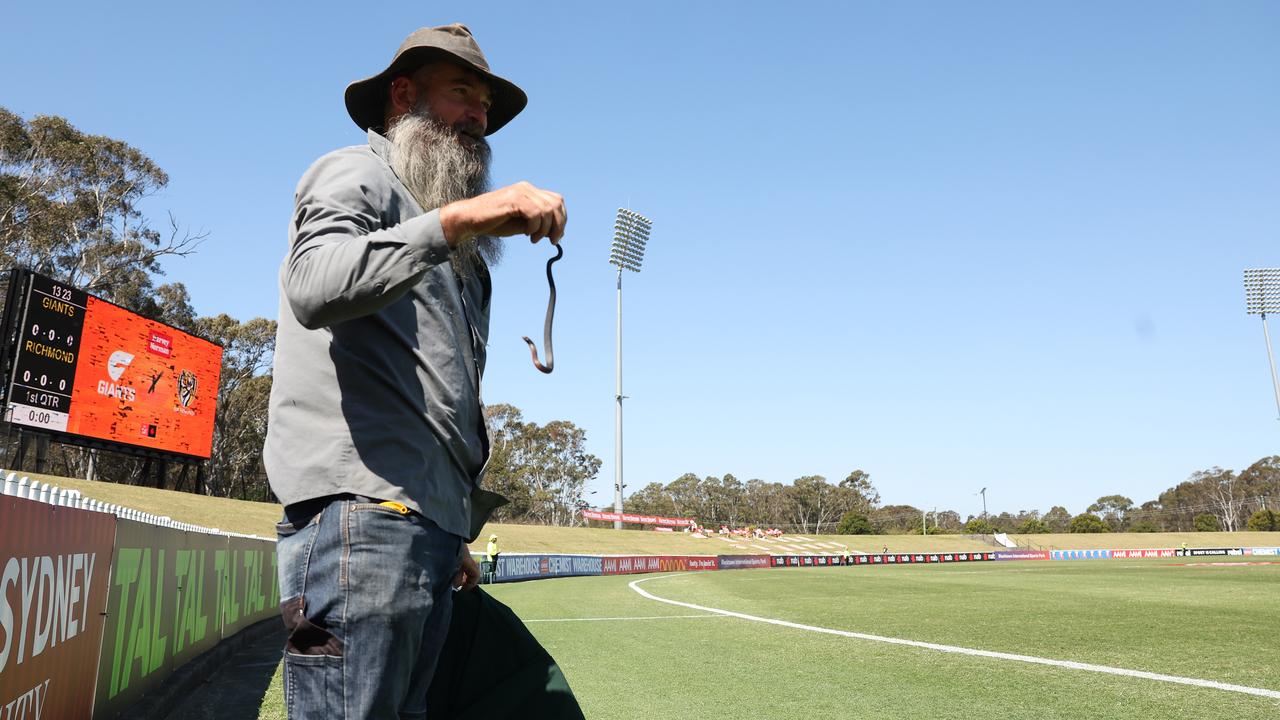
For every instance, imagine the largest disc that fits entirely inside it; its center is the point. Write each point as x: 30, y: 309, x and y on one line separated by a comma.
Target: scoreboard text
x: 90, y: 368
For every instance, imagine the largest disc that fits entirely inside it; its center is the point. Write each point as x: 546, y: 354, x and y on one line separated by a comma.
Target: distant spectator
x: 491, y: 559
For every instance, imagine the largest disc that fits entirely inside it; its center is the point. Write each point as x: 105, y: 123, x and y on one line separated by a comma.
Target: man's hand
x: 519, y: 209
x: 468, y: 573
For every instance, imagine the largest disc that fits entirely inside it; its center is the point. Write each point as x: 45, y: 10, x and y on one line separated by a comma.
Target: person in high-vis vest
x: 491, y: 559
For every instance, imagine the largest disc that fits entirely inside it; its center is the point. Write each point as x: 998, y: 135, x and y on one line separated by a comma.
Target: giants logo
x: 116, y: 365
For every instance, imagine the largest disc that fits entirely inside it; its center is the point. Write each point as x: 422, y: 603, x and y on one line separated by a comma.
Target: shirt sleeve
x: 343, y: 262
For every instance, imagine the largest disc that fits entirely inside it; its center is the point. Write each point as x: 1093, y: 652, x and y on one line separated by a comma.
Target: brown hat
x: 367, y: 99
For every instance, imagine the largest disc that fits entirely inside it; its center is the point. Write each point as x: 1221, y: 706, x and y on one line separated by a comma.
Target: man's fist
x: 519, y: 209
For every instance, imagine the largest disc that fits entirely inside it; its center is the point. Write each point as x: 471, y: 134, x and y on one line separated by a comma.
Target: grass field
x: 1212, y: 621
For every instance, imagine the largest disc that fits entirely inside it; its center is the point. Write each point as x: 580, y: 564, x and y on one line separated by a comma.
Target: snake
x: 551, y: 313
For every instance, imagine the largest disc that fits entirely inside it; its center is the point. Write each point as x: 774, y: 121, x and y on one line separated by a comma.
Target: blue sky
x: 956, y: 245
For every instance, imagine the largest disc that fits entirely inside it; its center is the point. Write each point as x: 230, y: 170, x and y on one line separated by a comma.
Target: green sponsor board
x: 172, y: 596
x: 248, y: 590
x: 140, y: 609
x: 195, y: 620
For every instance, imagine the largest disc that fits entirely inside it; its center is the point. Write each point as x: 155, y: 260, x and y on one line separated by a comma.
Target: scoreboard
x: 86, y: 367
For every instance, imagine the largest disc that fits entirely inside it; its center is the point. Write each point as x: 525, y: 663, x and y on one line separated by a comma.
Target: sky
x: 954, y: 245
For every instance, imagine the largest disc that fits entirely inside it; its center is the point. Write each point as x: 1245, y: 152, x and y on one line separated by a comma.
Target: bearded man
x: 376, y: 439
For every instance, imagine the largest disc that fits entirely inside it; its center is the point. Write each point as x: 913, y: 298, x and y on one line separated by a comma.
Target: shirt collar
x: 380, y: 145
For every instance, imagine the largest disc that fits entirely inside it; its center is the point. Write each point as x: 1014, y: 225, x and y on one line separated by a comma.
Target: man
x: 491, y: 559
x: 376, y: 438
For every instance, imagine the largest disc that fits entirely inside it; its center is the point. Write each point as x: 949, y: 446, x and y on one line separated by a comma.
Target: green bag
x: 492, y: 667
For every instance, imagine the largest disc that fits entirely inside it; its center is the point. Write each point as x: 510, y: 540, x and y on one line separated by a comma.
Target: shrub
x: 978, y: 526
x: 854, y: 523
x: 1207, y: 523
x: 1088, y: 523
x: 1265, y: 521
x: 1033, y: 526
x: 1144, y: 526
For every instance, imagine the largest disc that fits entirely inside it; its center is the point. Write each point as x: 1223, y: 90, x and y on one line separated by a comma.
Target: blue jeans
x: 366, y: 600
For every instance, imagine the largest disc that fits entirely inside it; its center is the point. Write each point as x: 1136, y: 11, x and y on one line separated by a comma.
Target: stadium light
x: 1262, y: 296
x: 630, y: 235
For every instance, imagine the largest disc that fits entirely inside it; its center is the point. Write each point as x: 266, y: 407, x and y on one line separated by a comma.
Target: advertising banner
x: 54, y: 564
x: 631, y: 564
x: 1203, y: 552
x: 1022, y: 555
x: 173, y: 595
x: 891, y: 559
x: 1143, y: 553
x: 1262, y: 551
x: 196, y: 627
x: 247, y: 584
x: 636, y: 519
x: 136, y: 652
x: 528, y: 567
x: 742, y: 562
x: 1080, y: 554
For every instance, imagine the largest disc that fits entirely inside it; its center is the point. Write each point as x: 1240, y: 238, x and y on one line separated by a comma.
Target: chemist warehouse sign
x: 54, y: 563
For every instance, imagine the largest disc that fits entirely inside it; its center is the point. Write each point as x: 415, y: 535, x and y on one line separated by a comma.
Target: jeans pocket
x: 312, y: 686
x: 312, y: 665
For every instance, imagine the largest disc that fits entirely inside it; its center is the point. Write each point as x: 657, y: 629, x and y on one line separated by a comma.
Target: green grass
x: 1214, y: 623
x: 251, y: 518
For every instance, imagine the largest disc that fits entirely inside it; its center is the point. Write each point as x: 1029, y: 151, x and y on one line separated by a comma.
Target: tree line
x: 1209, y: 500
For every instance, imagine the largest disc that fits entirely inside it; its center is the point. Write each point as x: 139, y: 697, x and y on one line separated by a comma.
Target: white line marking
x: 1070, y: 664
x: 650, y: 617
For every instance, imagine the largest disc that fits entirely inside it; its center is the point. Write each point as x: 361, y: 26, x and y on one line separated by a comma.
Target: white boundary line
x: 648, y: 617
x: 1069, y: 664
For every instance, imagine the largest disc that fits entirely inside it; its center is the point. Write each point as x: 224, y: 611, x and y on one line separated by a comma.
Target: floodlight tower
x: 1262, y: 296
x: 630, y: 233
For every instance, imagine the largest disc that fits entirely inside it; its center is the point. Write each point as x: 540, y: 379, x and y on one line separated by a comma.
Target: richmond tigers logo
x: 186, y: 387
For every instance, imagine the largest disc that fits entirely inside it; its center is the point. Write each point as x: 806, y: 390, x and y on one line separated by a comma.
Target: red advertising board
x: 54, y: 564
x: 631, y: 564
x: 636, y: 519
x: 1145, y: 553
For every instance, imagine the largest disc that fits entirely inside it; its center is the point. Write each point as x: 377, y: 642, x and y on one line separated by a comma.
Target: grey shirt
x: 380, y: 349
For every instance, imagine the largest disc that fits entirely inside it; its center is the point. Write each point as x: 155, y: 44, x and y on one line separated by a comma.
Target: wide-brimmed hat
x: 367, y: 99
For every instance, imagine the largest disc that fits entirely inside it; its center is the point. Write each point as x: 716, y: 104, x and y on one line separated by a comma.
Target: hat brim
x: 366, y: 99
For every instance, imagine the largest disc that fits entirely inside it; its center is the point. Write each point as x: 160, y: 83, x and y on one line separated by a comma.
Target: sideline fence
x: 99, y: 603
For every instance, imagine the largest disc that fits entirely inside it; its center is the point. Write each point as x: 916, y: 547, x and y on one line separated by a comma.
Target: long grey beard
x: 437, y: 169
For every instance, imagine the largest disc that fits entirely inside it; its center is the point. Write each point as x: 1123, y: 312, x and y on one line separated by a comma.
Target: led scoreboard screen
x: 90, y: 368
